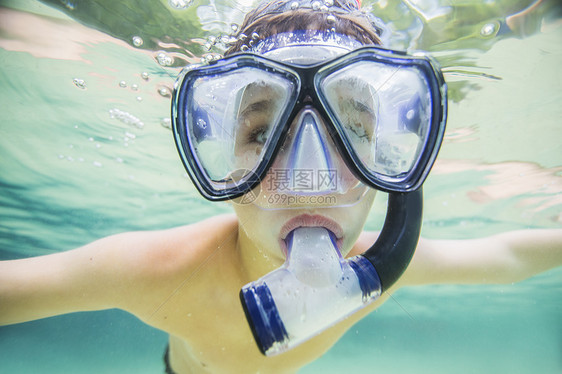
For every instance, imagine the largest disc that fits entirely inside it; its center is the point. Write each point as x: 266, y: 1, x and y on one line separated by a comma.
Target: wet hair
x: 278, y: 16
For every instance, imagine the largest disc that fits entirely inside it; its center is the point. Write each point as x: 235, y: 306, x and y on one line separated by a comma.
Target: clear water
x: 83, y: 157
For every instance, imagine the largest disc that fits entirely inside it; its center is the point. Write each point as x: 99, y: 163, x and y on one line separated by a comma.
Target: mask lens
x: 230, y: 119
x: 384, y: 112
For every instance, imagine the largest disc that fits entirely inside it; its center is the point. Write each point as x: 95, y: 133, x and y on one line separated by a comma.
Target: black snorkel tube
x: 392, y: 252
x: 279, y: 319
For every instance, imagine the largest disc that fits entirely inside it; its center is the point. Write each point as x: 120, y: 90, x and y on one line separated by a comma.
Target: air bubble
x: 137, y: 41
x: 122, y: 84
x: 139, y: 98
x: 294, y: 5
x: 316, y: 5
x: 225, y: 39
x: 145, y: 76
x: 324, y: 8
x: 180, y: 4
x: 210, y: 57
x: 130, y: 135
x: 255, y: 36
x: 242, y: 37
x: 166, y: 123
x: 329, y: 2
x: 234, y: 27
x: 134, y: 87
x: 488, y: 29
x: 79, y: 83
x: 244, y: 48
x: 163, y: 59
x: 331, y: 19
x: 126, y: 118
x: 201, y: 123
x: 164, y: 91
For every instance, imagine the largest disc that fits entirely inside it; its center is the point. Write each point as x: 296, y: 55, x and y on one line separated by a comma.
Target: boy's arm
x: 124, y: 271
x: 87, y: 278
x: 503, y: 258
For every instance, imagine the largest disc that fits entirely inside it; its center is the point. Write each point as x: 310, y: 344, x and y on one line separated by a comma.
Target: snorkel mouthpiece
x: 313, y: 290
x: 316, y: 288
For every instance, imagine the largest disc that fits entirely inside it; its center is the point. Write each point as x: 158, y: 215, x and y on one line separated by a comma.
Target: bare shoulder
x: 140, y: 267
x: 122, y: 267
x: 156, y: 253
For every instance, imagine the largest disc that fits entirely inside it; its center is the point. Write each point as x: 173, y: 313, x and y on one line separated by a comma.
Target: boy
x: 186, y: 280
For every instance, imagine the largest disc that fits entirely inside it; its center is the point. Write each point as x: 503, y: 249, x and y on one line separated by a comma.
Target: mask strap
x: 301, y: 38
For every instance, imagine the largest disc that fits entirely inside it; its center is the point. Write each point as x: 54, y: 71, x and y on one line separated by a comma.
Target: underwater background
x: 86, y: 151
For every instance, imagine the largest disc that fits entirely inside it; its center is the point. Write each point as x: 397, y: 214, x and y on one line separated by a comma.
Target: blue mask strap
x: 305, y: 38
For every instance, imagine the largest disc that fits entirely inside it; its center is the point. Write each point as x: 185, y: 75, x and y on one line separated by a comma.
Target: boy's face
x: 274, y: 209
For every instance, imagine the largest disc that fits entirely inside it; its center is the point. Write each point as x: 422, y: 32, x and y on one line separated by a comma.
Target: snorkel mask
x: 317, y: 101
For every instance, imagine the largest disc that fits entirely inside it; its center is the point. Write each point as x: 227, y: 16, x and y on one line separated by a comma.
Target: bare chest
x: 211, y: 334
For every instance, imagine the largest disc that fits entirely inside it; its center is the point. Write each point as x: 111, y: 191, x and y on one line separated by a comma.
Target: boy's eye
x: 358, y: 119
x: 258, y: 135
x: 359, y: 131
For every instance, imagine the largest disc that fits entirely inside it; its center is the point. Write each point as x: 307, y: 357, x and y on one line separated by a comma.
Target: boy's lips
x: 309, y: 220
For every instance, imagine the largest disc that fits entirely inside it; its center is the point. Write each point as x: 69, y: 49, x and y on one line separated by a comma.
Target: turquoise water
x: 86, y: 152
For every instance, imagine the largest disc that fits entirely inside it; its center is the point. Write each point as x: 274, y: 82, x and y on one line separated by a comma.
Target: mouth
x: 309, y: 220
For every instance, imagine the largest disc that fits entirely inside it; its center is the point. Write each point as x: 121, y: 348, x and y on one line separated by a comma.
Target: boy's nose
x: 309, y: 153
